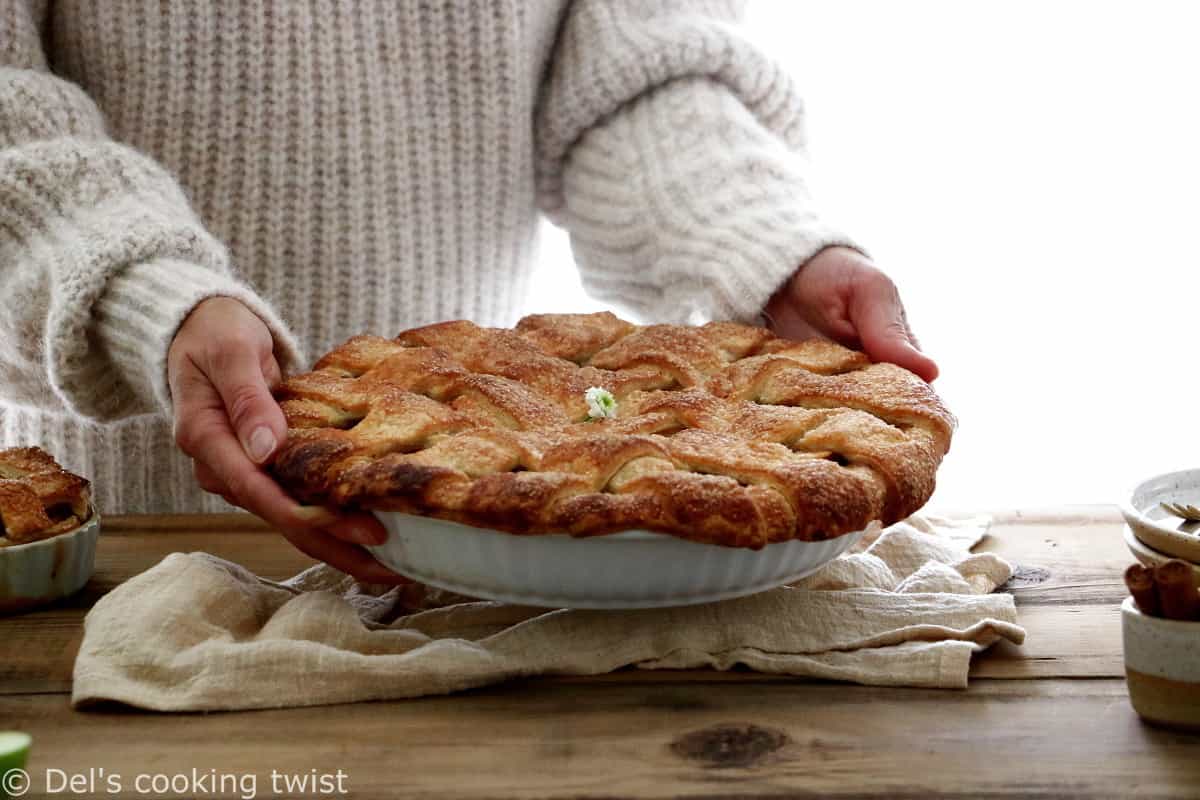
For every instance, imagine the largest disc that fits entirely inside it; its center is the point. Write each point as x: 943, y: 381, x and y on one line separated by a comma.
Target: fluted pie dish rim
x: 626, y: 570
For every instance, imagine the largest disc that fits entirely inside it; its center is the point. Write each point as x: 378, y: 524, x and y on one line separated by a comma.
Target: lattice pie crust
x: 723, y: 434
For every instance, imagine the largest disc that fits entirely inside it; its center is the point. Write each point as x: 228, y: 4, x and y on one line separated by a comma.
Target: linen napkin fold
x: 906, y: 607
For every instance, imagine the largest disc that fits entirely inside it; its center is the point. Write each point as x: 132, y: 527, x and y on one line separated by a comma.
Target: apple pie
x: 587, y: 424
x: 38, y: 498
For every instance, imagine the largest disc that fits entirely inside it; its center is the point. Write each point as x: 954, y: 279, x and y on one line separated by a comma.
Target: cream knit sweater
x: 345, y: 168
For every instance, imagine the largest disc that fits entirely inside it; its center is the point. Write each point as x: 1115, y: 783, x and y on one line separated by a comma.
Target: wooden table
x: 1049, y: 719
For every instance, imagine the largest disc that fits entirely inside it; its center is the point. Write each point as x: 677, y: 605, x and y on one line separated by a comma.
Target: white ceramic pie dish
x: 41, y: 572
x: 631, y: 569
x: 1157, y: 528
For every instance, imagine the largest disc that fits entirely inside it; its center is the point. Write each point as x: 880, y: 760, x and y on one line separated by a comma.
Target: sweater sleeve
x: 673, y: 153
x: 101, y: 256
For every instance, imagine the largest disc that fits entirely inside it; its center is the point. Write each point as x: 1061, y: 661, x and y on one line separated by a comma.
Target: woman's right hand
x: 221, y: 368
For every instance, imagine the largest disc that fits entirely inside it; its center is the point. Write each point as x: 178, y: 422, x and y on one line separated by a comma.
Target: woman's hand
x: 221, y: 369
x: 841, y: 295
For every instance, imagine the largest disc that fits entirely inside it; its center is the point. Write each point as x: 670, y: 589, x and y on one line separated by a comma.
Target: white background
x: 1028, y: 173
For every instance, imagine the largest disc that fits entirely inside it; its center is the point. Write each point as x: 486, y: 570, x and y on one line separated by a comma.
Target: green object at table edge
x: 14, y: 750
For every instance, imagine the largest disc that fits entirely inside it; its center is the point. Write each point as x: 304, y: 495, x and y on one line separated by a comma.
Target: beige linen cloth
x: 907, y: 607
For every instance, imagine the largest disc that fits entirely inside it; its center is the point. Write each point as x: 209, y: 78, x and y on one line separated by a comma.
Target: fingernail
x: 357, y: 531
x: 364, y: 534
x: 372, y: 535
x: 316, y: 515
x: 260, y: 444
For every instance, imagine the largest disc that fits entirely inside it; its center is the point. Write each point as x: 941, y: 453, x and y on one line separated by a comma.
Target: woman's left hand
x: 840, y: 295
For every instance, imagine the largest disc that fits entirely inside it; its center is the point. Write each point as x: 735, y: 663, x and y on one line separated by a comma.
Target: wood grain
x: 187, y: 523
x: 1001, y: 739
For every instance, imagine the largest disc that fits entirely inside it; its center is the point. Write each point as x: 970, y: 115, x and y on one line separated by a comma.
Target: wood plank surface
x: 1001, y: 739
x: 1050, y: 718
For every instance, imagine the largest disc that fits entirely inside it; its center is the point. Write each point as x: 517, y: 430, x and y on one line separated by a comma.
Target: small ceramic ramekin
x: 41, y: 572
x: 1162, y: 667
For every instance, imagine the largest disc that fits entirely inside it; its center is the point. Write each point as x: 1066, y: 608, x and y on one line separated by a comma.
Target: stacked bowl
x: 1153, y: 534
x: 1162, y: 656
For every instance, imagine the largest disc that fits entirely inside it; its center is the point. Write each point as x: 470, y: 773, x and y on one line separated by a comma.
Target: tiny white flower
x: 601, y: 404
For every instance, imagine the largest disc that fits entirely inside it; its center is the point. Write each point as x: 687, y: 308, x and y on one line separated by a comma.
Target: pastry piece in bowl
x: 586, y: 430
x: 48, y: 530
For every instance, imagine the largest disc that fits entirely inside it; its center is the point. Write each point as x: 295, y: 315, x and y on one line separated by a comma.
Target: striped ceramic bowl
x: 44, y: 571
x: 1162, y: 667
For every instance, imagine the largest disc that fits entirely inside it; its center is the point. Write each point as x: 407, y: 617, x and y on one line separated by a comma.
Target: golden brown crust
x: 38, y: 498
x: 723, y: 433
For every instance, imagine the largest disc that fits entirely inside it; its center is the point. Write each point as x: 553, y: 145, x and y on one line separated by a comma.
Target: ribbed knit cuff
x: 143, y: 307
x: 685, y: 208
